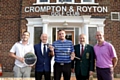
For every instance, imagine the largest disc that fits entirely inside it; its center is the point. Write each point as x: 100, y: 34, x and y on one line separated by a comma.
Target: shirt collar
x: 21, y: 42
x: 43, y: 43
x: 62, y: 41
x: 102, y: 43
x: 83, y: 45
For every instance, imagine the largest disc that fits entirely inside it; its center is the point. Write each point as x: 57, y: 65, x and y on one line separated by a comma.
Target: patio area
x: 9, y: 76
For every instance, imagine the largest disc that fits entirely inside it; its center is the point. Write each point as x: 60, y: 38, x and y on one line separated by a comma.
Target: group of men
x: 80, y: 58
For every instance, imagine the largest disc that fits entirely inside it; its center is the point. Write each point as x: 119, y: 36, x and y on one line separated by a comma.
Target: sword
x: 66, y: 53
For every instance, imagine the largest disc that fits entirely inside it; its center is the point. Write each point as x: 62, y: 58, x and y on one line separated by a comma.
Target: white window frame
x: 64, y: 2
x: 38, y: 2
x: 72, y: 2
x: 92, y: 1
x: 117, y: 13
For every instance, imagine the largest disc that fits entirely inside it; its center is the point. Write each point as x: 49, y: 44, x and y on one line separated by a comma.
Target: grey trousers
x: 22, y: 72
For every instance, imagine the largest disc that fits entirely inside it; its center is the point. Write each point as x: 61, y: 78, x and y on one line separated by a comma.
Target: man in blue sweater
x: 63, y: 53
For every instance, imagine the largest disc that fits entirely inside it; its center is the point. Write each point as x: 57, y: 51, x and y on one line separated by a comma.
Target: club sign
x: 67, y: 10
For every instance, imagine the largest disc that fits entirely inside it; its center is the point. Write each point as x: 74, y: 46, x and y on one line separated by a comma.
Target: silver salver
x: 30, y: 59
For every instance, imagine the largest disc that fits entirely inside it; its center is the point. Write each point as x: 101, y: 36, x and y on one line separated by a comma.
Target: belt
x: 103, y: 68
x: 62, y: 63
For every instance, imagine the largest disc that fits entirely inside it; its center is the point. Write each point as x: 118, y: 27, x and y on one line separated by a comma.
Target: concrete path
x: 9, y: 76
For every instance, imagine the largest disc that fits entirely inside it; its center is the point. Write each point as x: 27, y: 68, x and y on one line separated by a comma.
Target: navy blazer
x: 43, y: 62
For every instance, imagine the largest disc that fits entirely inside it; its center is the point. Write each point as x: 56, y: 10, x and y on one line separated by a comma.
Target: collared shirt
x: 20, y: 50
x: 104, y: 55
x: 63, y: 49
x: 42, y: 46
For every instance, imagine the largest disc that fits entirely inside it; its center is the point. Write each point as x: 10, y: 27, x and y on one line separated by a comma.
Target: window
x: 54, y: 34
x: 65, y: 1
x: 37, y: 33
x: 42, y: 1
x: 92, y: 32
x: 115, y: 16
x: 76, y: 35
x: 87, y: 1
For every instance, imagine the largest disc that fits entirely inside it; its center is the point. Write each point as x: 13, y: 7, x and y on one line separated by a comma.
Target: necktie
x: 82, y: 50
x: 44, y: 49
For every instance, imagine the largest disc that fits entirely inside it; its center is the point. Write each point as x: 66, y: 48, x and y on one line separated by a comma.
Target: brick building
x: 48, y: 16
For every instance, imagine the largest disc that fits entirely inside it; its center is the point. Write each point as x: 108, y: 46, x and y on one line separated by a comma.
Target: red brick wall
x: 9, y: 27
x: 112, y: 29
x: 13, y: 23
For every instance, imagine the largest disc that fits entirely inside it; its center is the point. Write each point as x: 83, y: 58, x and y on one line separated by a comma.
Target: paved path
x: 73, y: 78
x: 7, y: 78
x: 6, y: 74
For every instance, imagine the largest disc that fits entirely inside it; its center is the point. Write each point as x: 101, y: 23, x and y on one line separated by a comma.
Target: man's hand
x: 16, y: 57
x: 51, y: 49
x: 90, y: 73
x: 20, y: 59
x: 73, y: 70
x: 72, y: 56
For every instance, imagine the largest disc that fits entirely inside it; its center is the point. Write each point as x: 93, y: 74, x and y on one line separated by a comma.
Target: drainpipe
x: 19, y: 25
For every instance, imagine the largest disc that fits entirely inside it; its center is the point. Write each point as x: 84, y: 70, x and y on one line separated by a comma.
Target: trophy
x: 30, y: 59
x: 68, y: 51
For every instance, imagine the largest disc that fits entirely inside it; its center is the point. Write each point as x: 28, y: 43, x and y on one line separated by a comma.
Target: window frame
x: 118, y: 13
x: 92, y: 1
x: 73, y: 2
x: 38, y: 2
x: 57, y: 1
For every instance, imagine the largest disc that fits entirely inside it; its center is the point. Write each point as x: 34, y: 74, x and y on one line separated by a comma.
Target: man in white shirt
x: 18, y: 50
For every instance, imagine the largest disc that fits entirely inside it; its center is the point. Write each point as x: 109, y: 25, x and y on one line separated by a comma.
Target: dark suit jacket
x: 43, y: 62
x: 86, y: 63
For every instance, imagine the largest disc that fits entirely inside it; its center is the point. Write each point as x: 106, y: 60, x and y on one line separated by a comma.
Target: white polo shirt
x: 20, y: 50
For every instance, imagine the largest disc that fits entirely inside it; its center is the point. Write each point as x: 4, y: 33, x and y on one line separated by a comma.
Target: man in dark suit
x: 85, y: 66
x: 43, y: 64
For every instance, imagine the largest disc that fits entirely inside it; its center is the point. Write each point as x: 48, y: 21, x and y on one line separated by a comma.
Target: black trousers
x: 38, y: 75
x: 104, y: 73
x: 60, y: 68
x: 80, y: 77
